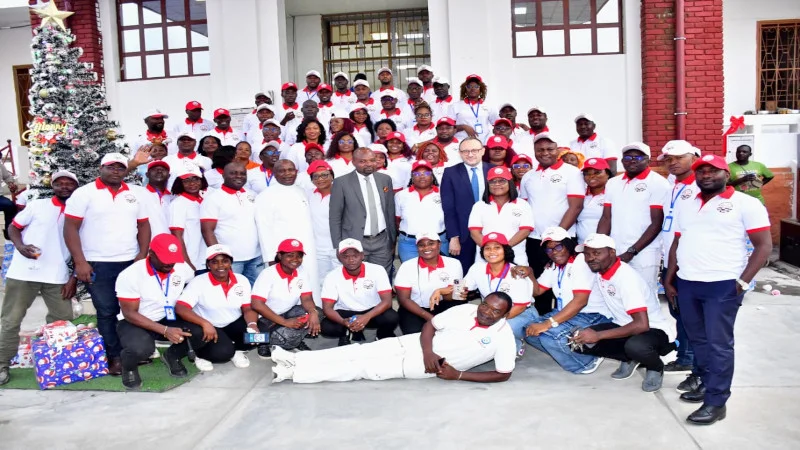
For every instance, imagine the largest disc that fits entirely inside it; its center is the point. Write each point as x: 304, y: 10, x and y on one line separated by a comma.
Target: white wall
x: 15, y: 50
x: 609, y: 87
x: 307, y: 47
x: 739, y: 43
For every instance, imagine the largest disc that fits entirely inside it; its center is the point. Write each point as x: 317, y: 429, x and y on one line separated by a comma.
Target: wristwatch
x: 553, y: 323
x: 633, y: 250
x: 744, y: 284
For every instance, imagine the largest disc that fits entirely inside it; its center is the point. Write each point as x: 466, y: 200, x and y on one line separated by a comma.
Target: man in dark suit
x: 362, y: 208
x: 462, y: 186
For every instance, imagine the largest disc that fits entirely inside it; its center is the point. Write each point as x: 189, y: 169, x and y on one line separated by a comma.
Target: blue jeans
x: 250, y: 268
x: 407, y: 247
x: 554, y: 341
x: 104, y: 299
x: 685, y: 351
x: 519, y: 323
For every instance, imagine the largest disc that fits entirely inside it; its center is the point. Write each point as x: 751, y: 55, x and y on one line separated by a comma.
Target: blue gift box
x: 81, y: 360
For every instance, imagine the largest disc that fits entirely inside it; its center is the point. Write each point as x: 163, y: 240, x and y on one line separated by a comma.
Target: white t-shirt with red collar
x: 428, y: 95
x: 573, y: 278
x: 507, y: 220
x: 522, y: 142
x: 441, y: 107
x: 480, y: 277
x: 259, y: 179
x: 281, y: 291
x: 340, y: 166
x: 401, y: 118
x: 344, y: 100
x: 372, y: 106
x: 178, y: 161
x: 362, y: 133
x: 156, y: 205
x: 680, y: 192
x: 713, y: 235
x: 184, y: 215
x: 154, y: 290
x: 199, y: 128
x: 358, y: 293
x: 319, y: 207
x: 625, y: 293
x: 479, y: 116
x: 234, y: 215
x: 400, y: 171
x: 547, y: 191
x: 414, y: 135
x: 307, y: 94
x: 228, y: 137
x: 420, y: 280
x: 419, y: 213
x: 283, y: 109
x: 590, y: 215
x: 595, y: 147
x: 109, y: 227
x: 451, y: 150
x: 401, y: 95
x: 220, y: 304
x: 147, y: 139
x: 41, y: 224
x: 631, y: 200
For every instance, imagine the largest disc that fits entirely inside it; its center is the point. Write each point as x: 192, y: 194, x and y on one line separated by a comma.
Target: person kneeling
x: 217, y: 307
x: 639, y: 334
x: 147, y: 291
x: 449, y: 345
x: 282, y: 295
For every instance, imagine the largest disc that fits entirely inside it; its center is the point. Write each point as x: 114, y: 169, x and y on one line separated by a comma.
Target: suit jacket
x: 457, y: 200
x: 348, y: 210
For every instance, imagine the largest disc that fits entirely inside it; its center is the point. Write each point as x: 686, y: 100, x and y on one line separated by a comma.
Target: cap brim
x: 170, y: 258
x: 214, y: 255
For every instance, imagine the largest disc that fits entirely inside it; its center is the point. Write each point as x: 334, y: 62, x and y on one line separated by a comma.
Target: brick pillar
x: 704, y: 77
x: 85, y: 25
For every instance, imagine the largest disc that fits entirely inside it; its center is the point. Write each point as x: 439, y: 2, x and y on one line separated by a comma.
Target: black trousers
x: 138, y: 344
x: 384, y: 322
x: 538, y: 259
x: 230, y: 338
x: 9, y: 210
x: 646, y: 348
x: 286, y: 338
x: 411, y: 323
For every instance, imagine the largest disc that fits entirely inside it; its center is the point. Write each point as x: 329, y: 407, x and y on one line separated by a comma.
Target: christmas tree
x: 70, y: 127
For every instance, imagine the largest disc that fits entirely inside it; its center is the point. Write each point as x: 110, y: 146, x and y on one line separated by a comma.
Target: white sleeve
x: 77, y: 204
x: 126, y: 285
x: 263, y: 285
x: 192, y: 293
x: 209, y: 209
x: 475, y: 221
x: 470, y: 280
x: 576, y: 187
x: 382, y: 283
x: 506, y: 353
x: 404, y: 278
x: 754, y: 215
x: 329, y: 293
x: 177, y: 215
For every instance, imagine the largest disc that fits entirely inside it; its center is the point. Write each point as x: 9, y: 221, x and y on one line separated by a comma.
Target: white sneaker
x: 281, y: 356
x: 156, y: 354
x: 203, y: 365
x: 594, y: 366
x: 240, y: 359
x: 282, y: 372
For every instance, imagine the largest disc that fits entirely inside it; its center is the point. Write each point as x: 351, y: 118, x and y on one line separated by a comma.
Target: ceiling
x: 14, y: 17
x: 311, y: 7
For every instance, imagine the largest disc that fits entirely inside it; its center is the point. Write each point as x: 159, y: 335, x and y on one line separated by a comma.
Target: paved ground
x: 540, y: 407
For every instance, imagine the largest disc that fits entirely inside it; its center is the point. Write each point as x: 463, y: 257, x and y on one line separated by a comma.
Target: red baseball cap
x: 288, y: 85
x: 497, y: 141
x: 474, y: 77
x: 503, y: 120
x: 596, y: 163
x: 158, y: 163
x: 521, y: 156
x: 167, y: 248
x: 291, y: 245
x: 396, y: 135
x: 421, y: 163
x: 494, y: 237
x: 325, y: 87
x: 221, y: 112
x: 499, y: 172
x: 193, y: 105
x: 447, y: 120
x: 711, y: 160
x: 317, y: 166
x: 314, y: 145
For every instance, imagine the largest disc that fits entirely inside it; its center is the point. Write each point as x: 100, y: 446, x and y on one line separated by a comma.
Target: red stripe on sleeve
x: 575, y: 196
x: 122, y: 299
x: 142, y: 220
x: 208, y: 220
x: 635, y: 310
x: 607, y: 204
x: 476, y: 228
x: 581, y: 291
x: 385, y: 291
x: 402, y: 288
x: 181, y: 302
x: 258, y: 297
x: 176, y: 228
x: 656, y: 206
x: 526, y: 228
x: 20, y: 227
x: 756, y: 230
x: 73, y: 217
x: 329, y: 300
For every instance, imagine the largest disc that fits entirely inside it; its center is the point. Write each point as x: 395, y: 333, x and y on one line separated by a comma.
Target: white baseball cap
x: 534, y: 108
x: 641, y: 146
x: 542, y: 136
x: 597, y: 240
x: 413, y: 80
x: 388, y: 93
x: 274, y: 144
x: 350, y: 243
x: 64, y: 174
x: 425, y: 67
x: 441, y: 80
x: 313, y: 72
x: 506, y: 104
x: 584, y: 116
x: 111, y: 158
x: 187, y: 170
x: 339, y: 113
x: 341, y: 74
x: 361, y: 83
x: 155, y: 112
x: 432, y: 235
x: 677, y: 148
x: 379, y: 148
x: 264, y: 106
x: 186, y: 133
x: 265, y: 94
x: 272, y: 122
x: 218, y: 249
x: 554, y: 234
x: 384, y: 69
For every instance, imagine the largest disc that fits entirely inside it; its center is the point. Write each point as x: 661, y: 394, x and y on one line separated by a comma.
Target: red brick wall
x: 85, y: 25
x: 779, y: 195
x: 704, y: 77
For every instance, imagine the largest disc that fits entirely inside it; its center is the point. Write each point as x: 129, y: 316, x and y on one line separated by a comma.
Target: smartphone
x: 458, y: 288
x: 441, y: 361
x: 256, y: 338
x: 303, y: 318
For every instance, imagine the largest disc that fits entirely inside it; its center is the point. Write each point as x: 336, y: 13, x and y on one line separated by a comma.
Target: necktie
x: 372, y: 209
x: 475, y: 188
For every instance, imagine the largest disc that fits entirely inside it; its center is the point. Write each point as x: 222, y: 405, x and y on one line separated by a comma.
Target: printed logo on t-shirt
x: 725, y: 207
x: 368, y: 284
x: 251, y: 198
x: 504, y: 287
x: 611, y: 290
x: 444, y: 277
x: 204, y: 128
x: 486, y: 340
x: 437, y: 199
x: 299, y: 284
x: 176, y: 281
x: 686, y: 194
x: 238, y: 291
x: 641, y: 187
x: 516, y: 212
x: 555, y: 179
x: 593, y: 145
x: 130, y: 198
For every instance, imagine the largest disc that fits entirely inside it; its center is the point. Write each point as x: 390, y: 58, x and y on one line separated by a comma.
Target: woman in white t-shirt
x: 596, y: 174
x: 184, y: 215
x: 418, y: 208
x: 400, y: 160
x: 435, y: 154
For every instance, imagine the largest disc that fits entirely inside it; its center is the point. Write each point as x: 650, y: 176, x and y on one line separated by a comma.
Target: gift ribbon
x: 736, y: 124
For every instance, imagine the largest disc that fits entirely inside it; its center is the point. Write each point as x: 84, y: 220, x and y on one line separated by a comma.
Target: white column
x: 439, y: 27
x: 273, y: 63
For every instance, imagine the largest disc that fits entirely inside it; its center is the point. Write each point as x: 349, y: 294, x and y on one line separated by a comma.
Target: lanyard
x: 475, y: 111
x: 675, y: 197
x: 500, y: 280
x: 561, y: 271
x: 267, y: 178
x: 164, y: 291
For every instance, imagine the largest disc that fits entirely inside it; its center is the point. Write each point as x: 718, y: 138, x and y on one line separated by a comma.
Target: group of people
x: 292, y: 228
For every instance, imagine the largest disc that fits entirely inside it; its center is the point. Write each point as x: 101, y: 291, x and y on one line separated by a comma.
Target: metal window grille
x: 778, y: 65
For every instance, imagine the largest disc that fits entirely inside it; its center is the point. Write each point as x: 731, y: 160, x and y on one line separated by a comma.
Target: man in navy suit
x: 463, y: 186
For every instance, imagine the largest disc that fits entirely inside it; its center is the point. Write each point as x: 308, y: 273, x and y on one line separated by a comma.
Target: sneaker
x: 652, y: 381
x: 281, y: 356
x: 691, y: 383
x: 521, y: 351
x: 175, y: 366
x: 203, y: 365
x: 625, y: 370
x: 674, y: 368
x: 156, y: 354
x: 303, y: 347
x: 593, y: 367
x: 131, y: 379
x: 282, y: 372
x: 358, y: 336
x: 264, y: 352
x: 4, y: 376
x: 344, y: 340
x: 240, y: 360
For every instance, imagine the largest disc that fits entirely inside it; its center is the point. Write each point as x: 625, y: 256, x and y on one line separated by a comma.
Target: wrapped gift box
x: 24, y: 358
x: 60, y: 333
x: 81, y: 359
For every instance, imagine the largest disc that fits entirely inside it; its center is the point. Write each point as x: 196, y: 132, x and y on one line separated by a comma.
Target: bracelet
x: 459, y: 375
x: 252, y: 323
x: 165, y: 330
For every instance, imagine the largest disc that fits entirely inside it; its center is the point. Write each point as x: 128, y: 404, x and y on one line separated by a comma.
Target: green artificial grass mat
x: 155, y: 376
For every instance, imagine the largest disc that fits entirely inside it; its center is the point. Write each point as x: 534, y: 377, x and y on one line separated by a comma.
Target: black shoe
x: 4, y: 376
x: 303, y: 347
x: 674, y: 368
x: 358, y: 336
x: 174, y: 364
x: 114, y: 366
x: 707, y: 415
x: 145, y: 362
x: 344, y: 340
x: 264, y: 352
x: 695, y: 396
x: 691, y: 383
x: 131, y: 379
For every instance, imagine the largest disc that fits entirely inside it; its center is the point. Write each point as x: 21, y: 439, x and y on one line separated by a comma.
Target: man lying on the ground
x: 449, y: 345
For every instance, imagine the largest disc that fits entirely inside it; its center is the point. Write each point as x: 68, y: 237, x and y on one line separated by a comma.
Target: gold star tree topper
x: 50, y: 14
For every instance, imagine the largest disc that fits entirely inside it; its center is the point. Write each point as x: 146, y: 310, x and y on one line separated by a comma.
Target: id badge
x: 667, y: 224
x: 478, y: 128
x: 170, y: 312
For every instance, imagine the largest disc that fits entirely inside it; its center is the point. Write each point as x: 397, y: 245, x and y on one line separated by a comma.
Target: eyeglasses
x: 115, y: 168
x: 521, y: 166
x: 637, y: 158
x: 425, y: 173
x: 498, y: 181
x: 271, y: 152
x: 424, y: 115
x: 346, y: 141
x: 502, y: 127
x: 320, y: 176
x: 474, y: 151
x: 557, y: 248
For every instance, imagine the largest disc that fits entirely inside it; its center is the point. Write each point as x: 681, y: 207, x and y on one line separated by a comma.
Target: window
x: 566, y: 27
x: 365, y: 42
x: 779, y: 65
x: 162, y: 38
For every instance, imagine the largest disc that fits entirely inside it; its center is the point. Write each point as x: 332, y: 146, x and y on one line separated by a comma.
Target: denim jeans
x: 250, y: 268
x: 104, y: 299
x: 554, y: 341
x: 407, y: 247
x: 519, y: 323
x: 685, y: 351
